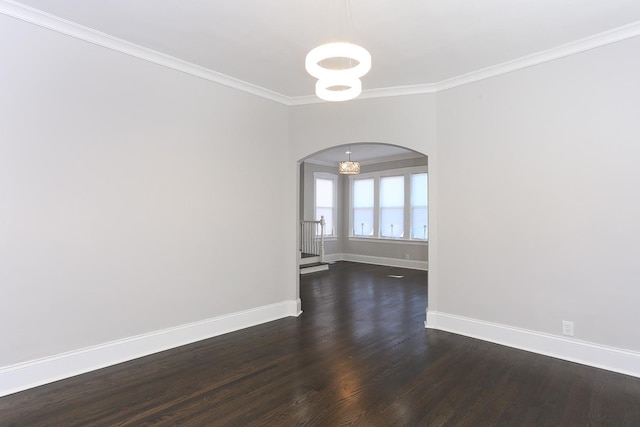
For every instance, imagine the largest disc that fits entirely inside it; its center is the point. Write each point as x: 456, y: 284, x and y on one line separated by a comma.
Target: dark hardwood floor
x: 358, y: 355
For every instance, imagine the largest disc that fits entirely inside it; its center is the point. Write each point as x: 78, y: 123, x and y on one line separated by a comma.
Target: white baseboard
x: 308, y: 260
x: 333, y: 257
x: 34, y: 373
x: 391, y: 262
x: 586, y: 353
x: 297, y: 307
x: 314, y: 269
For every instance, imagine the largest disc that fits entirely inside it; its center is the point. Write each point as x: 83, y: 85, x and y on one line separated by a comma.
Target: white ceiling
x: 412, y: 42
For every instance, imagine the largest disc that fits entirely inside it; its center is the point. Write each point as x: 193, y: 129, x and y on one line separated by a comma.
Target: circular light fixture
x: 349, y: 78
x: 338, y: 50
x: 352, y: 88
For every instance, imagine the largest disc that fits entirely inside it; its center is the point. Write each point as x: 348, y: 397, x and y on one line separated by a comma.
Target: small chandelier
x: 348, y: 62
x: 348, y: 167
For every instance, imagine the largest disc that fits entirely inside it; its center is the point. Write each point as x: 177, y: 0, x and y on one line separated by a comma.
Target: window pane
x: 419, y: 189
x: 419, y: 224
x: 392, y: 206
x: 363, y: 193
x: 419, y: 211
x: 363, y: 207
x: 325, y: 204
x: 328, y: 219
x: 324, y: 193
x: 363, y: 221
x: 392, y: 222
x: 392, y: 191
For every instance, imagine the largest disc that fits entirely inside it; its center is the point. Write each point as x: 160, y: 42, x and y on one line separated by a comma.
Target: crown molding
x: 373, y: 93
x: 385, y: 159
x: 308, y: 99
x: 26, y: 13
x: 588, y: 43
x: 51, y: 22
x: 571, y: 48
x: 321, y: 163
x: 400, y: 91
x: 392, y: 158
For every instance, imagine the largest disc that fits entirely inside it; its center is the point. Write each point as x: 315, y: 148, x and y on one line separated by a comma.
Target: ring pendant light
x: 338, y: 84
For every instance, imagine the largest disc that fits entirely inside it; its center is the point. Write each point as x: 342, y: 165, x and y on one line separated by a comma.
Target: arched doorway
x: 379, y: 216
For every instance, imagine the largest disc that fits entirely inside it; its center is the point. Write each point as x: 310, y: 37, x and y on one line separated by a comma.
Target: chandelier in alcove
x: 348, y: 167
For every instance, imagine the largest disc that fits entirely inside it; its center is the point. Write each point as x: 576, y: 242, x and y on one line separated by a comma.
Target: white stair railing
x: 312, y: 238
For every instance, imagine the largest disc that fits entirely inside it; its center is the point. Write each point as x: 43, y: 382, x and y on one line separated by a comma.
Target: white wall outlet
x: 567, y: 328
x: 406, y: 256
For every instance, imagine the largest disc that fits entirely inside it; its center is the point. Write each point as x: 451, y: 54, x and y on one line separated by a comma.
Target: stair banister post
x: 322, y: 239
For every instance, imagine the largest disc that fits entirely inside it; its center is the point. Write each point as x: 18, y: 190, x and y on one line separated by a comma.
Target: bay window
x: 391, y: 204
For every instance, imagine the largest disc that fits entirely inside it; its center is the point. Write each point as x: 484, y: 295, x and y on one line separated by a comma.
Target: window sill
x: 388, y: 240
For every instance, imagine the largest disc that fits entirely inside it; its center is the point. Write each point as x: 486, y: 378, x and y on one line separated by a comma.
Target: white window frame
x: 334, y: 218
x: 410, y: 207
x: 406, y: 172
x: 403, y: 207
x: 374, y: 226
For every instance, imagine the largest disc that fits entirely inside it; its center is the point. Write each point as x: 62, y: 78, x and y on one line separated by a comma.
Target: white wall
x: 539, y: 197
x: 123, y: 209
x: 407, y: 121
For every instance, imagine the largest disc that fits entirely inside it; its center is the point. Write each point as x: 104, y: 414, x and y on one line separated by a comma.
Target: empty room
x: 322, y: 212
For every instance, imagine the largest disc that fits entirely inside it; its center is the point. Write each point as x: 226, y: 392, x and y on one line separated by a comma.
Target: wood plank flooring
x: 358, y: 355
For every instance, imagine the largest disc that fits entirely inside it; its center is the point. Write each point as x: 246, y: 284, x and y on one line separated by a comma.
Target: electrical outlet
x: 567, y: 328
x: 406, y: 256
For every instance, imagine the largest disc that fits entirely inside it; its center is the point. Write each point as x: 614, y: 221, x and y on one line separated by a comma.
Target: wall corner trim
x: 33, y: 373
x: 586, y: 353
